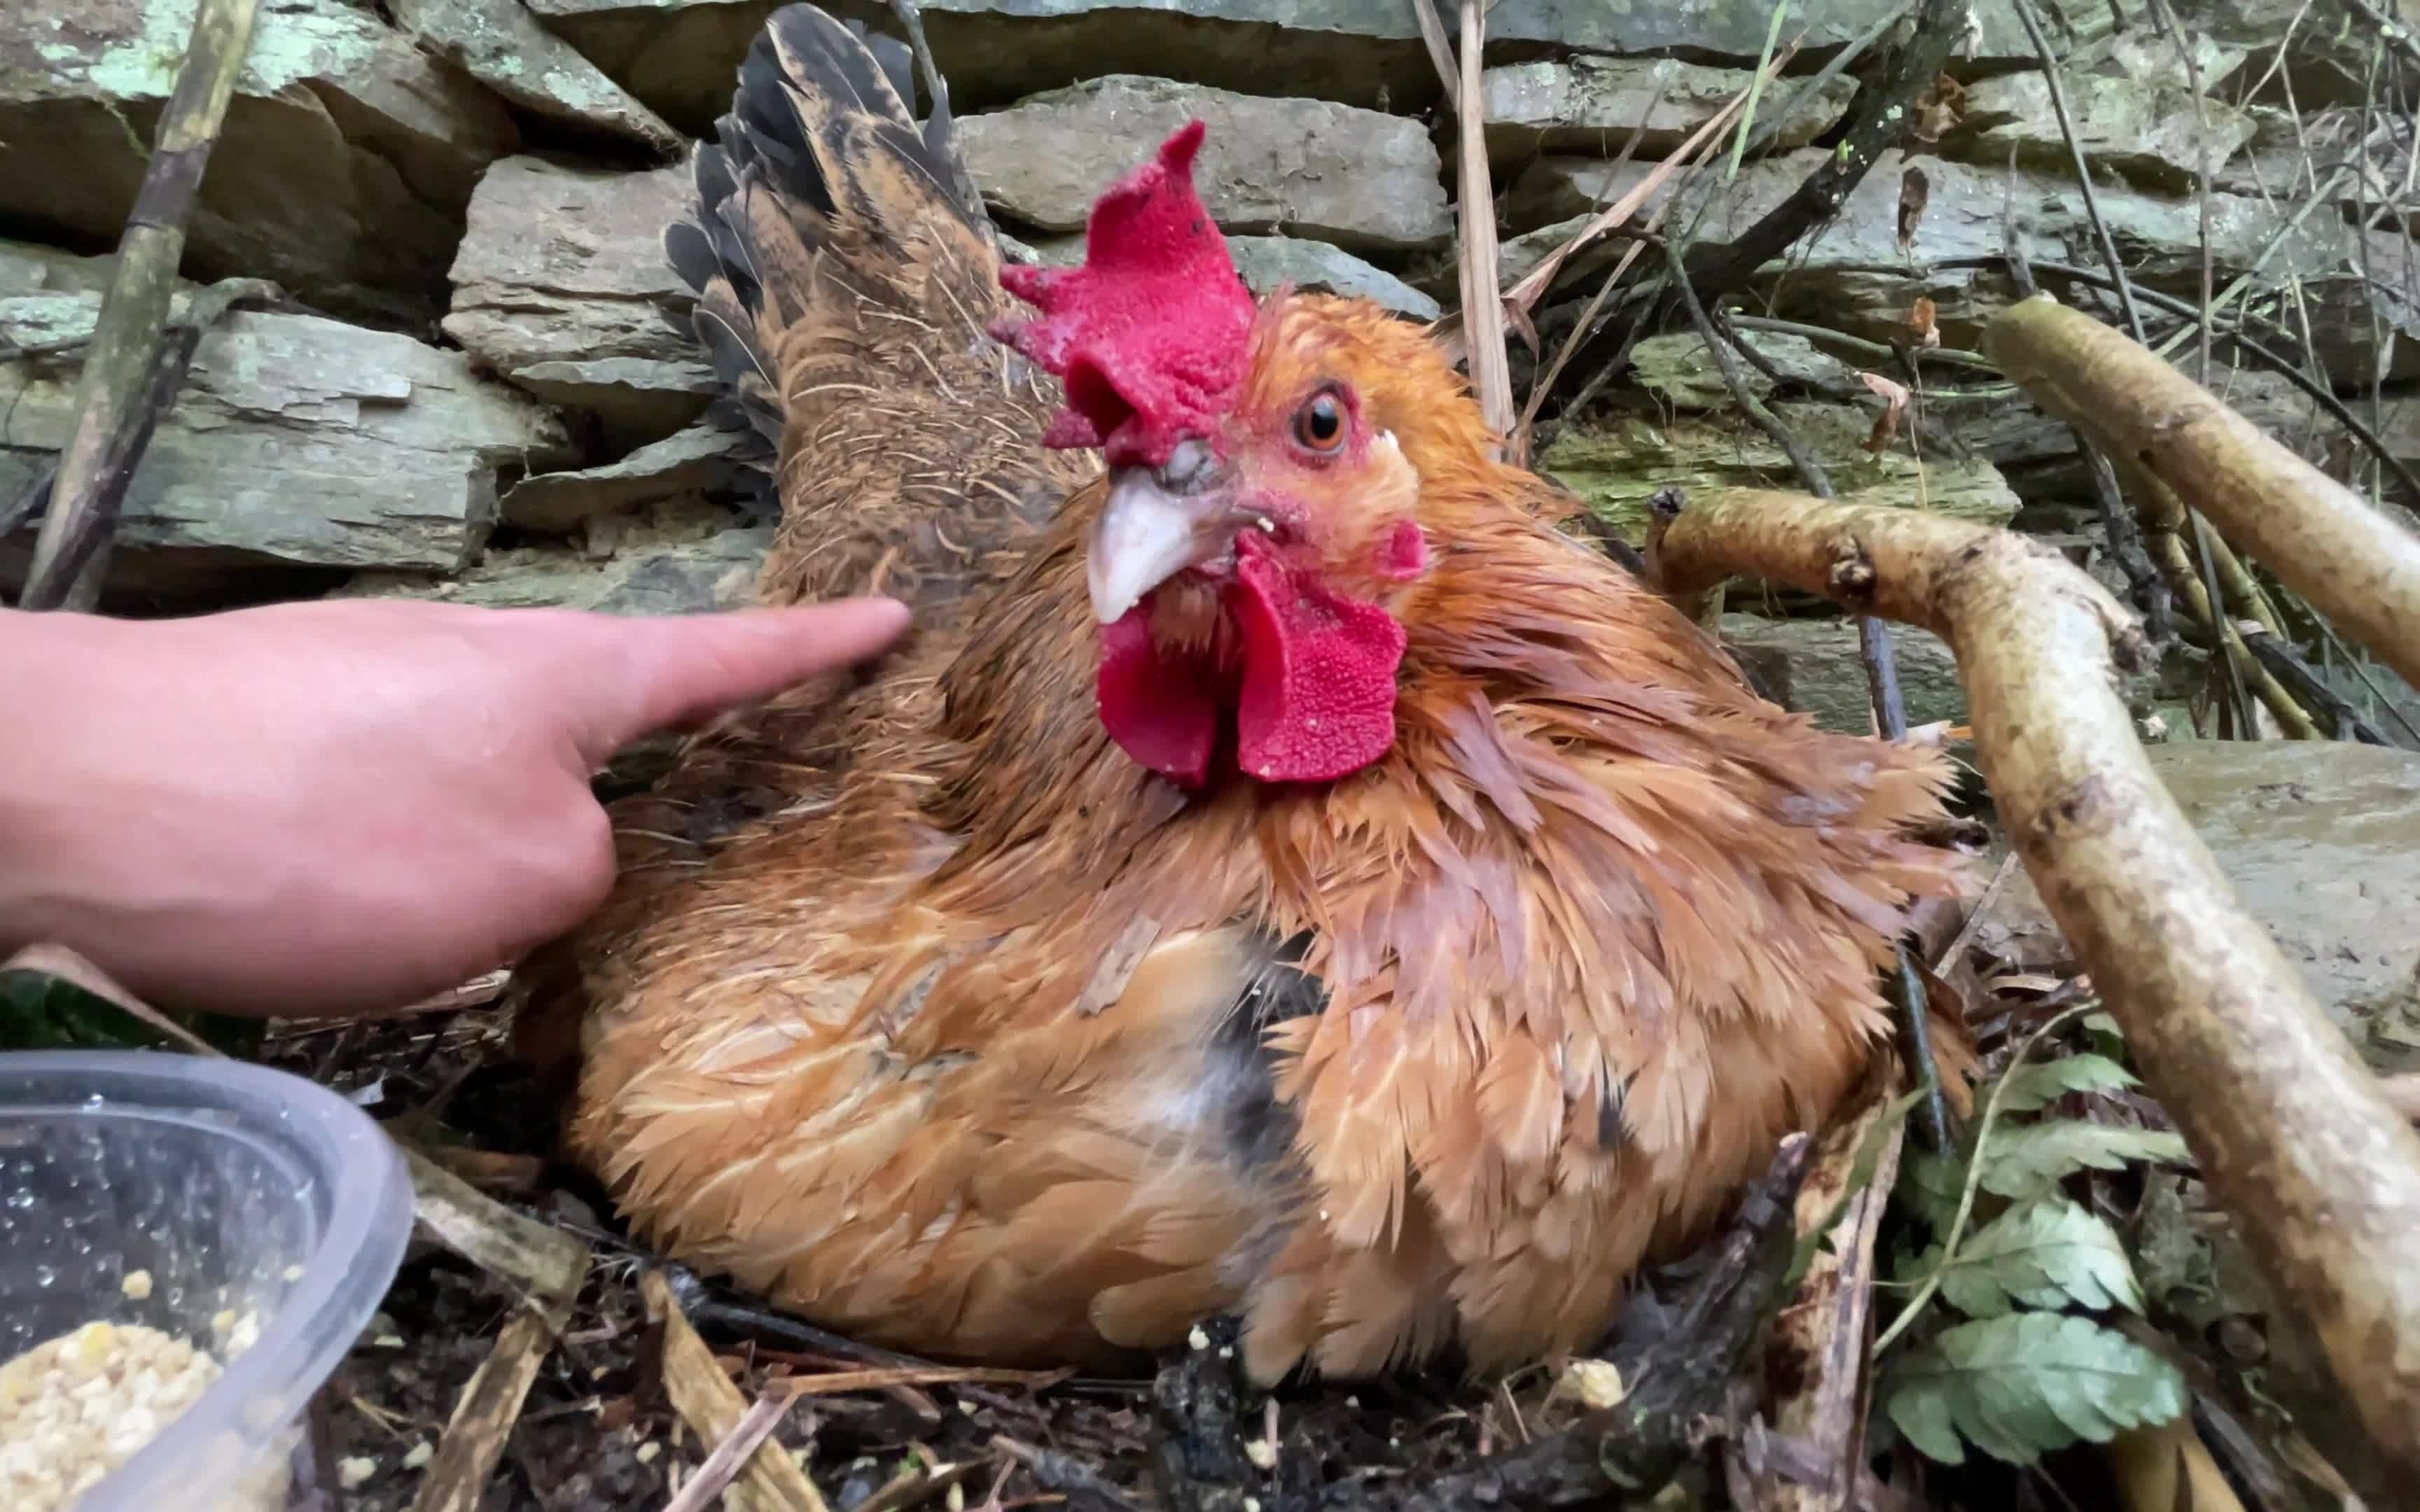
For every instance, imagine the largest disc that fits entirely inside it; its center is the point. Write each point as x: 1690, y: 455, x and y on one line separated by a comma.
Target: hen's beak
x: 1157, y: 522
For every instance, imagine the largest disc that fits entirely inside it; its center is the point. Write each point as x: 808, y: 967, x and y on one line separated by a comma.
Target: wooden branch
x: 771, y: 1481
x: 2291, y: 1129
x: 118, y: 389
x: 2350, y: 561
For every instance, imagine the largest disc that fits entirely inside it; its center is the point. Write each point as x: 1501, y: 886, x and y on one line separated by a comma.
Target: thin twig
x: 713, y: 1407
x: 119, y: 390
x: 2278, y: 656
x: 2083, y: 169
x: 1974, y: 1184
x: 720, y: 1468
x: 2201, y: 177
x: 1876, y: 121
x: 2386, y: 27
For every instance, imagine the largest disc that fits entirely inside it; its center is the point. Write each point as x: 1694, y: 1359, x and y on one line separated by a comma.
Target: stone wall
x: 484, y: 393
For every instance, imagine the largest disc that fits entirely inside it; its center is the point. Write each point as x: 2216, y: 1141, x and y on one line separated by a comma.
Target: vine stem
x: 1973, y: 1176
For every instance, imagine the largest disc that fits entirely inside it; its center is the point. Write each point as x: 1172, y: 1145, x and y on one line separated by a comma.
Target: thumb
x: 674, y: 669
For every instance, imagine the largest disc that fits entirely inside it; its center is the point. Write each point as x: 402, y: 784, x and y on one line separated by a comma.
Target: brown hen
x: 1282, y: 874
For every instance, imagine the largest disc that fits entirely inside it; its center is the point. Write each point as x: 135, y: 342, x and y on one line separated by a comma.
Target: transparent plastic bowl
x: 241, y: 1190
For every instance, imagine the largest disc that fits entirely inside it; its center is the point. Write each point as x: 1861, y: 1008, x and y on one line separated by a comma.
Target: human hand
x: 343, y: 806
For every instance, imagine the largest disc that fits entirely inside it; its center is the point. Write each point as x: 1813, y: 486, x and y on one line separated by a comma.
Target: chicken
x: 1282, y: 874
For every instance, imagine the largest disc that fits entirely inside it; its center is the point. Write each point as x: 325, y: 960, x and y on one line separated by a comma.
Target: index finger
x: 674, y: 669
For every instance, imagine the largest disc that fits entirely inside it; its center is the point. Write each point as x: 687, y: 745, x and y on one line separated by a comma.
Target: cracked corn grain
x: 76, y: 1407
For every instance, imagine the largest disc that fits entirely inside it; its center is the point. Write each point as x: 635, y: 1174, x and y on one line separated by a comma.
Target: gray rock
x: 1814, y: 667
x: 2145, y: 130
x: 562, y: 286
x: 30, y: 268
x: 1614, y: 467
x: 1679, y: 370
x: 693, y: 461
x: 1838, y: 276
x: 1334, y: 173
x: 2320, y: 841
x: 680, y: 560
x: 2324, y: 63
x: 1266, y: 262
x: 679, y: 56
x: 341, y: 171
x: 1592, y: 104
x: 296, y: 440
x: 501, y: 45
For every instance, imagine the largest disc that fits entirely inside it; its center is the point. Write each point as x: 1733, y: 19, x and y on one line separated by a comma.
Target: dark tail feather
x: 816, y: 175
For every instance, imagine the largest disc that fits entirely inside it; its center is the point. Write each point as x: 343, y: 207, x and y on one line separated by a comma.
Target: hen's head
x: 1260, y: 535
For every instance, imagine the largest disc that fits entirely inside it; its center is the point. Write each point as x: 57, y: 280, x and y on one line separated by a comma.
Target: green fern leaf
x: 2045, y: 1254
x: 2043, y: 1082
x: 1930, y: 1184
x: 2031, y: 1160
x: 2021, y: 1385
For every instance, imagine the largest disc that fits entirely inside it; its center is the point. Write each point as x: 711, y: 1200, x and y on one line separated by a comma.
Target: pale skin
x: 342, y: 806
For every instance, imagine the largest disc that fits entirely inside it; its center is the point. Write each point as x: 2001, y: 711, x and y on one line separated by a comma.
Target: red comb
x: 1149, y: 335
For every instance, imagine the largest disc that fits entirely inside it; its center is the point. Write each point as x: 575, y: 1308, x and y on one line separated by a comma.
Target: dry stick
x: 117, y: 381
x: 1882, y: 685
x: 722, y: 1467
x: 2291, y: 1129
x: 1482, y: 312
x: 1822, y: 1332
x: 545, y: 1268
x: 2276, y: 656
x: 2350, y: 561
x: 713, y: 1407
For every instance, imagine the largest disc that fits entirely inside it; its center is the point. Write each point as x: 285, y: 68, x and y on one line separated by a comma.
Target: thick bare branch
x: 2350, y: 560
x: 2291, y: 1129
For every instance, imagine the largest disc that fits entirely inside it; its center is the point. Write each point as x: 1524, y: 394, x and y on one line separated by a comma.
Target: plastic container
x: 241, y: 1190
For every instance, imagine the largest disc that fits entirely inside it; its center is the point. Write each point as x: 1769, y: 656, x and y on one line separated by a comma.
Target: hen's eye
x: 1320, y: 424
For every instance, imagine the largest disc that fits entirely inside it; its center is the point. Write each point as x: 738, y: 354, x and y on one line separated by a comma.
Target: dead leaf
x: 1894, y: 397
x: 1914, y: 192
x: 1921, y: 323
x: 1942, y: 106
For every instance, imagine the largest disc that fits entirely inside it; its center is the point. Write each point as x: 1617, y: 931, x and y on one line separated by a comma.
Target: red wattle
x: 1318, y: 699
x: 1162, y: 711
